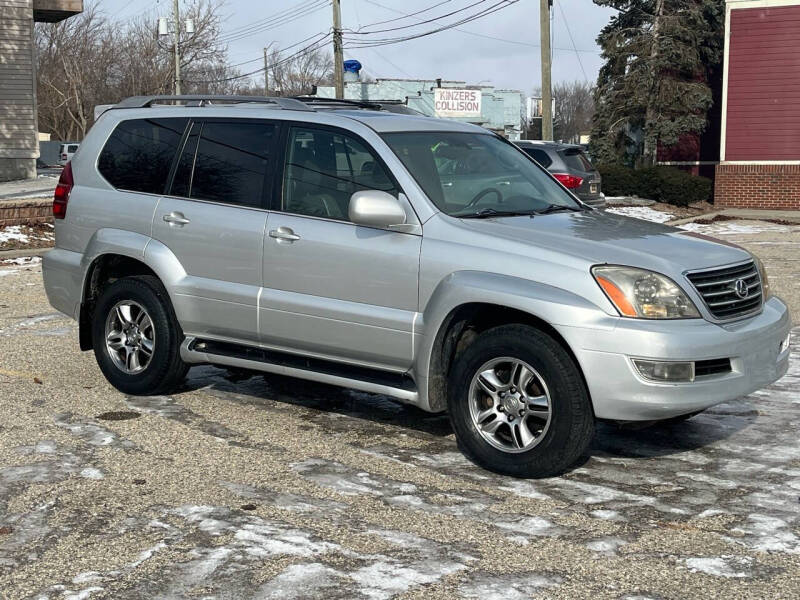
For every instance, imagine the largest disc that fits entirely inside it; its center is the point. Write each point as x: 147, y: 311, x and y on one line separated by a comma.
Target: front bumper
x: 618, y: 392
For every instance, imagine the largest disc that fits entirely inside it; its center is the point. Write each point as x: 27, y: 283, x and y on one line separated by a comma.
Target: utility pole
x: 176, y: 16
x: 338, y: 51
x: 547, y: 93
x: 266, y: 71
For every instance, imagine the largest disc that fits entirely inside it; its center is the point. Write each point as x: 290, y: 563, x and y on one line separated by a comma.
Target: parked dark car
x: 569, y: 164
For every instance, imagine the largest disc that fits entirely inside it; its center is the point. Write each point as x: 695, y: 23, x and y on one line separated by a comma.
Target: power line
x: 480, y: 14
x: 267, y: 20
x: 421, y: 22
x: 483, y: 35
x: 577, y: 55
x: 302, y: 52
x: 279, y: 22
x: 406, y: 16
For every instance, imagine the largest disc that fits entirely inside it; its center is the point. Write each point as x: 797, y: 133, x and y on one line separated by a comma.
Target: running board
x: 365, y: 379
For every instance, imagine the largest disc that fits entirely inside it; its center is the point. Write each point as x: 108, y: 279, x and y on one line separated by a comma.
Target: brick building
x: 760, y: 123
x: 19, y: 143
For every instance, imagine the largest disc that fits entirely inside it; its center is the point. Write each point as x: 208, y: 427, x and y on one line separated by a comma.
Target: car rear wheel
x: 518, y: 403
x: 136, y: 337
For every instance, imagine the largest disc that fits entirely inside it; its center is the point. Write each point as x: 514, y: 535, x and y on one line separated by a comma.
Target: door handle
x: 503, y: 183
x: 176, y: 218
x: 447, y: 184
x: 284, y: 234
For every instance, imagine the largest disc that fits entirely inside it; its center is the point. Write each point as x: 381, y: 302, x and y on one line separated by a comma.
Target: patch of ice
x: 91, y: 473
x: 300, y: 581
x: 608, y: 515
x: 23, y: 261
x: 6, y: 272
x: 723, y: 566
x: 527, y: 526
x: 83, y: 594
x: 146, y: 555
x: 642, y: 212
x: 606, y: 545
x: 86, y: 577
x: 382, y: 580
x: 45, y: 447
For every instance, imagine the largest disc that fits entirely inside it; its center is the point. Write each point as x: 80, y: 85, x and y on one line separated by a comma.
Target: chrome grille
x: 718, y: 289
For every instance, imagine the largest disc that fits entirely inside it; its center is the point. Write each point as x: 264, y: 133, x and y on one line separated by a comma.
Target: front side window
x: 477, y: 174
x: 138, y: 155
x: 324, y: 168
x: 231, y: 163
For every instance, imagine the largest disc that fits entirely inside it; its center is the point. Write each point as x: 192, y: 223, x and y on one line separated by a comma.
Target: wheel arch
x: 467, y: 303
x: 113, y: 254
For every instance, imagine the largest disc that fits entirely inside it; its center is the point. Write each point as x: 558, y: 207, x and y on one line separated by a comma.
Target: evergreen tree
x: 654, y: 85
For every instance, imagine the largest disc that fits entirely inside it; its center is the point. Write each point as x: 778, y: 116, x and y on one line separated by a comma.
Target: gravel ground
x: 270, y: 487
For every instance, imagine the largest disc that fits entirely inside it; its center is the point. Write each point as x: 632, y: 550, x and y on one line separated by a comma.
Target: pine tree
x: 654, y: 85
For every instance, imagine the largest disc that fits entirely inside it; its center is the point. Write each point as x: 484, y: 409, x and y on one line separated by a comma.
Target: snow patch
x: 723, y: 566
x: 642, y: 212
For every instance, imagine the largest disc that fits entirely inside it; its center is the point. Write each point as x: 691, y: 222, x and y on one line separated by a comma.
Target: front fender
x: 556, y: 306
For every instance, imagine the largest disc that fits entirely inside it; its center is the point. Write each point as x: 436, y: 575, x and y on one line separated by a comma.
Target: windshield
x: 475, y: 174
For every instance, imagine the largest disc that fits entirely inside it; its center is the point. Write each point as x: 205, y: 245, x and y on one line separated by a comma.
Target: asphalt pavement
x: 269, y: 487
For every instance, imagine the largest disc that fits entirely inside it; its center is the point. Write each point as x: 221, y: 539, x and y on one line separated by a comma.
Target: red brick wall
x: 775, y: 187
x: 19, y: 212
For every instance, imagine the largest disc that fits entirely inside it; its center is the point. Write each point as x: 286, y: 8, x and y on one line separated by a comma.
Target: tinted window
x: 232, y: 162
x: 540, y: 156
x: 138, y: 155
x: 182, y: 183
x: 73, y: 148
x: 323, y: 169
x: 576, y: 160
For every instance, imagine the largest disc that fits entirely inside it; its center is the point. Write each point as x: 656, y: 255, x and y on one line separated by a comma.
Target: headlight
x: 644, y: 294
x: 762, y: 272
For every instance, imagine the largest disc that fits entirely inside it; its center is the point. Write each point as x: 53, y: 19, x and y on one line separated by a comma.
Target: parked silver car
x: 427, y: 260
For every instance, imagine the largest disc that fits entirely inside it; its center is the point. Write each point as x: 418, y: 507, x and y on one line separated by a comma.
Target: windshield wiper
x: 486, y: 213
x: 557, y: 208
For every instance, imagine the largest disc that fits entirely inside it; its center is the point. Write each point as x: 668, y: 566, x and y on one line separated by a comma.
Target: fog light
x: 785, y: 344
x: 656, y: 370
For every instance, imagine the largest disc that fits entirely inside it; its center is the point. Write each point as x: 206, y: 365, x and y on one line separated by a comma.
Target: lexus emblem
x: 740, y: 287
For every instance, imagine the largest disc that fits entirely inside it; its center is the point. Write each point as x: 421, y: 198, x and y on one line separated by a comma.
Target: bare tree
x: 298, y: 75
x: 573, y: 111
x: 89, y: 60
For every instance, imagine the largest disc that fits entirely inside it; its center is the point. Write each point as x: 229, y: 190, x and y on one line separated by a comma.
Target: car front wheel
x: 518, y: 403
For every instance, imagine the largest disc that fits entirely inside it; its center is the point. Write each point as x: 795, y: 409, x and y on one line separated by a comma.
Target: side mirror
x: 375, y: 208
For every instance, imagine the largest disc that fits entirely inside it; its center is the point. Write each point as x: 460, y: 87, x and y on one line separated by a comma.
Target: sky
x: 512, y: 61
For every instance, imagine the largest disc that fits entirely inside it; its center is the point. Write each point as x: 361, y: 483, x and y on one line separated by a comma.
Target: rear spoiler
x: 100, y: 110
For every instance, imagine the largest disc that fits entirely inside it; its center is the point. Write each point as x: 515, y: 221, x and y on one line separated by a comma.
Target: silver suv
x: 424, y: 259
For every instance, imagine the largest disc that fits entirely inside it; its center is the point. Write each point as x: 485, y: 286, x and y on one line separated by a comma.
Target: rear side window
x: 73, y: 149
x: 232, y: 163
x: 540, y: 156
x: 576, y: 160
x: 139, y: 154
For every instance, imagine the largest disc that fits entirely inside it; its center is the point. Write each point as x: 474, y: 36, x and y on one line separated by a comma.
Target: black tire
x: 571, y: 425
x: 165, y: 370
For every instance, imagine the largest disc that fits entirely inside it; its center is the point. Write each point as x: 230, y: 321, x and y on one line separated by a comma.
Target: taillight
x: 569, y: 181
x: 61, y: 197
x: 64, y: 157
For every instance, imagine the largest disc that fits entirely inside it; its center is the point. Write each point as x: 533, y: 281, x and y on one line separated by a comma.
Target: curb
x: 23, y: 252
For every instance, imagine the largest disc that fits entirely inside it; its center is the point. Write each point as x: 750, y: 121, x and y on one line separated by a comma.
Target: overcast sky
x: 513, y: 61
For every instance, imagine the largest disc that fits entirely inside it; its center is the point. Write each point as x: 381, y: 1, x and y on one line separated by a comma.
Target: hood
x: 600, y: 237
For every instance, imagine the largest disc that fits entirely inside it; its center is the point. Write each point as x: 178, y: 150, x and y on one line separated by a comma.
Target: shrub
x: 662, y: 184
x: 617, y: 180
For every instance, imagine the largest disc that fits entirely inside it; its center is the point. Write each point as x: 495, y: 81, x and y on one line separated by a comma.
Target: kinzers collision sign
x: 454, y: 102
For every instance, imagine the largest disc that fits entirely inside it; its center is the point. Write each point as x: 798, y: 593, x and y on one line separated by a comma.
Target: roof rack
x: 334, y: 101
x: 206, y: 99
